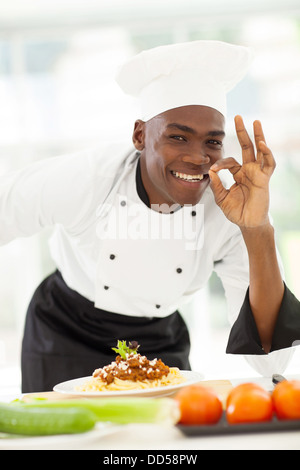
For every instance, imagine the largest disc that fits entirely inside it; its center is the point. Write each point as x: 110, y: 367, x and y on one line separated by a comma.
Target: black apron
x: 66, y: 337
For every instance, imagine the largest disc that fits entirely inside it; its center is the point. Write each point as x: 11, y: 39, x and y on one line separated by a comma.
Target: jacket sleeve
x: 244, y: 338
x: 48, y: 192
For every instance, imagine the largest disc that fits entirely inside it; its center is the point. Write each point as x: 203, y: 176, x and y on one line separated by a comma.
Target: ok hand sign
x: 246, y: 203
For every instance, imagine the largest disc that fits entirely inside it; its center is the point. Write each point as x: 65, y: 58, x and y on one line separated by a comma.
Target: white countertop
x: 155, y: 437
x: 152, y: 437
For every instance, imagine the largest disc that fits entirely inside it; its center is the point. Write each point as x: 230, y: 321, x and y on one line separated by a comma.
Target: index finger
x: 244, y: 140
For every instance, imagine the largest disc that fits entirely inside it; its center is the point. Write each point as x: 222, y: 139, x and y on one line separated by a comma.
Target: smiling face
x: 177, y: 149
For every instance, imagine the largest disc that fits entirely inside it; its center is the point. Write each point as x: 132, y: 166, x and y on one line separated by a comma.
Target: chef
x: 137, y: 232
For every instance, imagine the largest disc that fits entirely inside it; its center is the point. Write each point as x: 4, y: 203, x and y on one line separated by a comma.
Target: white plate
x: 69, y: 387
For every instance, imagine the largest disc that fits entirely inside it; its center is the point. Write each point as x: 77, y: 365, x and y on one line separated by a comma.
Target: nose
x: 197, y: 158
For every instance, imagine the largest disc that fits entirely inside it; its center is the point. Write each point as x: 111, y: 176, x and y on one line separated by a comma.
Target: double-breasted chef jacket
x: 119, y: 262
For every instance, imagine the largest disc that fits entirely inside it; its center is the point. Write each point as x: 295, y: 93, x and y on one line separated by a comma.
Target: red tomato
x: 248, y: 403
x: 244, y: 387
x: 286, y: 399
x: 199, y: 405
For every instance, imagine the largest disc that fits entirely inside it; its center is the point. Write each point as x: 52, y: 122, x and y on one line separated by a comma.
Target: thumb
x: 217, y: 187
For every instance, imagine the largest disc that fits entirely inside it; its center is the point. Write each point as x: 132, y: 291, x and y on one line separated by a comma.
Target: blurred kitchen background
x: 57, y: 95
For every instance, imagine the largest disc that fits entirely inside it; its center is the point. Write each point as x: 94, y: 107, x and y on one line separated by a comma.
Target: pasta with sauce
x: 97, y: 385
x: 132, y: 373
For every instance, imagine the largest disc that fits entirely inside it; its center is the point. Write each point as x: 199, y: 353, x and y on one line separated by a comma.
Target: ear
x: 138, y: 136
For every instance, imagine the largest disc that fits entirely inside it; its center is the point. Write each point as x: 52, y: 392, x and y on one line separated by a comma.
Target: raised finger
x: 258, y: 137
x: 246, y: 144
x: 268, y: 163
x: 258, y: 132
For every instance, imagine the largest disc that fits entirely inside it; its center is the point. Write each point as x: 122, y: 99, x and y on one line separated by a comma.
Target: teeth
x: 186, y: 177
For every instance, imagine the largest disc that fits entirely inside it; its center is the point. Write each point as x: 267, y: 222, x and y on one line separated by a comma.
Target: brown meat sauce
x: 134, y: 367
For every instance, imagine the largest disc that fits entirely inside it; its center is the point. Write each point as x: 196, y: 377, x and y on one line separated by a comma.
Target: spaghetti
x: 97, y: 385
x: 132, y: 371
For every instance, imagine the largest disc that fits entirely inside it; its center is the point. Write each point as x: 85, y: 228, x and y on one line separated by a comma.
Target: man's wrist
x: 263, y: 229
x: 261, y: 236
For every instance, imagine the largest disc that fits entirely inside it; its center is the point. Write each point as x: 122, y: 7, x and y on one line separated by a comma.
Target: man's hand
x: 246, y: 203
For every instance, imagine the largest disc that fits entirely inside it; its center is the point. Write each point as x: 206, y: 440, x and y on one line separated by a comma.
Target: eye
x: 216, y: 143
x: 179, y: 138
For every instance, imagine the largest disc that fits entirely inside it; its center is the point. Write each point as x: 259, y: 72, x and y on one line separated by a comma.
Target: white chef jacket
x: 101, y: 246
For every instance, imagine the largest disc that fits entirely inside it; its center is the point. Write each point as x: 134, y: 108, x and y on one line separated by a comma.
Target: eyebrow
x: 184, y: 128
